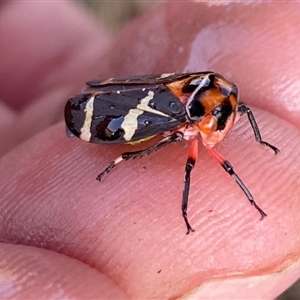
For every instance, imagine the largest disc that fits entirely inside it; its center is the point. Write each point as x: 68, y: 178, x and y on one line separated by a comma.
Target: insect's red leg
x: 229, y: 169
x: 190, y: 163
x: 242, y: 109
x: 174, y: 137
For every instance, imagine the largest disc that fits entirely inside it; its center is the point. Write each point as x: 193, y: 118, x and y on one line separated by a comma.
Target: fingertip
x: 32, y: 273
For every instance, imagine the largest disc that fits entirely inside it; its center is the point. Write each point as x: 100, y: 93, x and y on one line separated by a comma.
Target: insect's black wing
x: 141, y: 79
x: 123, y: 113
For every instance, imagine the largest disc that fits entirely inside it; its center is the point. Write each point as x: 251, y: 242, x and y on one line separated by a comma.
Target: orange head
x: 212, y: 107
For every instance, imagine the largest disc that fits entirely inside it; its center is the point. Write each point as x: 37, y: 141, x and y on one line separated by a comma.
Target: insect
x: 176, y: 106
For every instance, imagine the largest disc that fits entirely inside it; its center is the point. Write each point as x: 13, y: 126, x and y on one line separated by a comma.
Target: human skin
x: 124, y: 237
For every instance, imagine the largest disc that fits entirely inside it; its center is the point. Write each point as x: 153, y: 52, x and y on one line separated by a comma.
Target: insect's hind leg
x: 174, y: 137
x: 229, y: 169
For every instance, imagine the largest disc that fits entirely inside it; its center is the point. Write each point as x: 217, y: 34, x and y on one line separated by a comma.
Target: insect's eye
x: 208, y: 125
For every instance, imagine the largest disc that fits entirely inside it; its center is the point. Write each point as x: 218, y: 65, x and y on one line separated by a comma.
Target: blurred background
x: 115, y: 14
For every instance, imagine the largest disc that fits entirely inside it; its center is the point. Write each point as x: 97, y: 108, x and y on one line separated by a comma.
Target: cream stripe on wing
x: 86, y: 128
x: 130, y: 123
x: 144, y: 105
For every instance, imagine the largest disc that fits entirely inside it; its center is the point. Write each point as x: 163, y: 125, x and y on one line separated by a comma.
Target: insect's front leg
x: 190, y: 163
x: 242, y: 109
x: 174, y: 137
x: 229, y: 169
